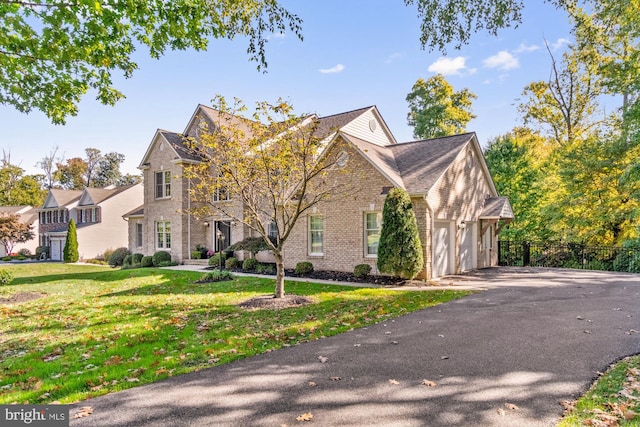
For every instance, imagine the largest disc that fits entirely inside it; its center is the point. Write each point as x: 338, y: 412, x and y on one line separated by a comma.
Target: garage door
x: 468, y: 258
x: 441, y: 249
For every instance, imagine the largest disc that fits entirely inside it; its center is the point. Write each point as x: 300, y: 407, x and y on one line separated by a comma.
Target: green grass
x: 100, y: 330
x: 612, y: 400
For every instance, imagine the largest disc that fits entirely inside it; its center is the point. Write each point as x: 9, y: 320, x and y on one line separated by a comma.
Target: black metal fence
x: 569, y: 255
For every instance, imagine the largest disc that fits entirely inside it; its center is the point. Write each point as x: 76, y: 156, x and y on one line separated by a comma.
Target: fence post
x: 526, y: 253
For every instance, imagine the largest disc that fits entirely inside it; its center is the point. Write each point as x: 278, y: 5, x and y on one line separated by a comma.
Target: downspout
x: 189, y: 218
x: 431, y: 225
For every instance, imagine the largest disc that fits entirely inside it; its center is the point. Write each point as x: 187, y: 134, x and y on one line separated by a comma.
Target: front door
x: 222, y: 235
x: 487, y: 245
x: 56, y: 249
x: 468, y: 259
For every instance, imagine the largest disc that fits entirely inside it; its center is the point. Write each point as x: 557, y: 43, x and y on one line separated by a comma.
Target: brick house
x: 458, y: 209
x: 97, y: 213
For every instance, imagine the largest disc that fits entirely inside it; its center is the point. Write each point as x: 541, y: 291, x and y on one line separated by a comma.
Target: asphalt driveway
x: 502, y: 357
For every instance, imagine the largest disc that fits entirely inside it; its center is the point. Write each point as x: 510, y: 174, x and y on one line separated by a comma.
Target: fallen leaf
x: 512, y: 406
x: 335, y: 378
x: 501, y: 412
x: 587, y: 332
x: 85, y: 411
x: 428, y: 383
x: 568, y: 405
x: 312, y: 384
x: 444, y: 357
x: 322, y: 359
x: 305, y: 417
x: 394, y: 382
x: 629, y: 415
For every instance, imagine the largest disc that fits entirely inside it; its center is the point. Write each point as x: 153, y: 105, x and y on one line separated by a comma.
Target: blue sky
x: 355, y: 53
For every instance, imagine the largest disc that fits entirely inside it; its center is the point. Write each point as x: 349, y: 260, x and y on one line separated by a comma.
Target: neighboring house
x: 97, y: 213
x: 28, y: 215
x: 458, y: 209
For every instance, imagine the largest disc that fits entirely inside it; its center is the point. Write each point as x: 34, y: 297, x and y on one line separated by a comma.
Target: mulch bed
x: 273, y: 303
x: 21, y: 297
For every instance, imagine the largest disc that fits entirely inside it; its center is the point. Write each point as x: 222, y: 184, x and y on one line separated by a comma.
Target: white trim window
x: 372, y: 228
x: 220, y: 195
x: 316, y: 235
x: 163, y: 184
x: 163, y: 234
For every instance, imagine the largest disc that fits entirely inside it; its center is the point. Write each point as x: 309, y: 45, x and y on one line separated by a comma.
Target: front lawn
x: 97, y: 330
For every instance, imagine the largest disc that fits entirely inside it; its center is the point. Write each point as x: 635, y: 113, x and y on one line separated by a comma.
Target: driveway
x: 502, y: 357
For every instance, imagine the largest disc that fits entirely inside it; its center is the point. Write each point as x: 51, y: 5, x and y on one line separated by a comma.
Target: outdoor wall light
x: 206, y: 223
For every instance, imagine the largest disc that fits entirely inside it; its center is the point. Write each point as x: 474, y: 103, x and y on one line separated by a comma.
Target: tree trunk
x: 279, y: 274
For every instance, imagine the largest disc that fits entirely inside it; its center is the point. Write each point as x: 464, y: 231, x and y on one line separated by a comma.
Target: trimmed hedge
x: 160, y: 258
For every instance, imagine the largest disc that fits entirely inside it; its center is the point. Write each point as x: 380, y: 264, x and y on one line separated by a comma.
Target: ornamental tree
x: 399, y: 249
x: 14, y: 231
x: 70, y: 251
x: 274, y: 166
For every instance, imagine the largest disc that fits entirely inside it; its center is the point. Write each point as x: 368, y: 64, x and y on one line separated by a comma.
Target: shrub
x: 217, y: 260
x: 96, y: 261
x: 127, y: 260
x: 265, y: 269
x: 161, y: 257
x: 107, y: 254
x: 399, y: 248
x: 196, y: 254
x: 216, y: 276
x: 147, y: 261
x: 5, y: 277
x: 361, y: 271
x: 7, y: 258
x: 251, y: 244
x: 42, y: 250
x: 203, y: 251
x: 303, y: 268
x: 137, y: 258
x: 249, y: 264
x: 24, y: 252
x: 70, y: 250
x: 117, y: 257
x: 231, y: 263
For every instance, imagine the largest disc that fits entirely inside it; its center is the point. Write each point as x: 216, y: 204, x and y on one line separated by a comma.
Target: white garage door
x: 468, y: 238
x: 442, y: 249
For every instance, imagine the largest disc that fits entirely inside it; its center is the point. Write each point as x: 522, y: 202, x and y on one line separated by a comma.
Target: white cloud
x: 503, y: 60
x: 276, y: 36
x: 559, y: 44
x: 337, y: 69
x: 393, y: 57
x: 448, y: 66
x: 526, y: 48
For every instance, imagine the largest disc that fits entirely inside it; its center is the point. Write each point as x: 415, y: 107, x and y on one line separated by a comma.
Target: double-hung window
x: 372, y: 227
x: 316, y: 235
x: 163, y: 235
x: 163, y: 184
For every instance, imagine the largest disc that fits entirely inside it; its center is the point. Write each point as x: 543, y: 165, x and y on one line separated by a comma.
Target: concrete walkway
x: 503, y: 357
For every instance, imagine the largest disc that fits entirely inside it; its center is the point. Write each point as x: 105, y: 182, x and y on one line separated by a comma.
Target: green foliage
x: 217, y: 259
x: 127, y: 261
x: 436, y: 110
x: 196, y: 254
x: 136, y: 258
x: 216, y: 276
x: 249, y: 264
x: 17, y: 189
x: 24, y: 252
x: 96, y: 262
x: 265, y: 268
x: 303, y: 268
x: 399, y: 250
x: 118, y: 256
x: 5, y: 277
x: 70, y: 251
x: 7, y: 258
x: 628, y: 259
x: 251, y: 244
x: 361, y: 271
x: 232, y: 263
x: 42, y: 250
x: 107, y: 254
x: 161, y: 257
x: 54, y: 55
x: 13, y: 231
x: 147, y: 261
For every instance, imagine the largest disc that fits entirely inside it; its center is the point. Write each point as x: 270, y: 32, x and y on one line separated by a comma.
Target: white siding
x: 360, y: 128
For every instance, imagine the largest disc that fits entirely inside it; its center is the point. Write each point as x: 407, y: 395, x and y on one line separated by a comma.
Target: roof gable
x: 58, y: 198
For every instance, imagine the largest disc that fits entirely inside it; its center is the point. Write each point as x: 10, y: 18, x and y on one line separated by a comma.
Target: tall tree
x: 70, y: 251
x: 52, y: 53
x: 17, y: 189
x: 13, y: 231
x: 273, y: 165
x: 399, y: 251
x: 92, y: 159
x: 565, y: 106
x: 71, y: 174
x: 521, y: 170
x: 435, y: 109
x: 108, y: 171
x: 48, y: 165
